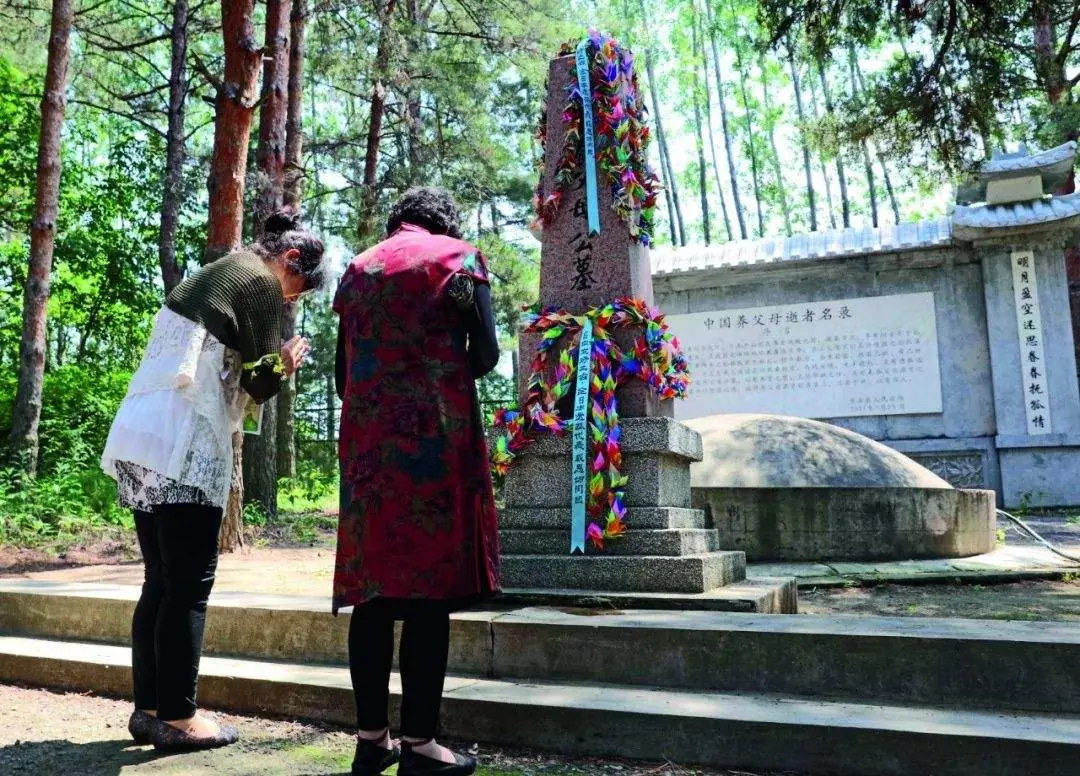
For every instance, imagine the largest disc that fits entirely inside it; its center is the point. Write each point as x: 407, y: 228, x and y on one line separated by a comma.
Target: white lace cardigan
x: 171, y: 440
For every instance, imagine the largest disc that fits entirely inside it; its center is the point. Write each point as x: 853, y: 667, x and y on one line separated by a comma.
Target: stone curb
x: 729, y: 730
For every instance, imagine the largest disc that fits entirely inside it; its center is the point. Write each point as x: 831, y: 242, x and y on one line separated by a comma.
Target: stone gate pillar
x: 1020, y: 233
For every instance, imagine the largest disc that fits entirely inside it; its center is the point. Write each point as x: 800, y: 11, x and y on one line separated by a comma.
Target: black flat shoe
x: 413, y: 764
x: 169, y: 739
x: 139, y: 725
x: 372, y: 759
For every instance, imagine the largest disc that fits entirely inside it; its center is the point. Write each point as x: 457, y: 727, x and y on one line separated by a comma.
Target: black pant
x: 425, y: 644
x: 179, y: 544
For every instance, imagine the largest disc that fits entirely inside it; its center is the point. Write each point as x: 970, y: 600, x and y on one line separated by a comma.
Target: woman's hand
x: 293, y: 354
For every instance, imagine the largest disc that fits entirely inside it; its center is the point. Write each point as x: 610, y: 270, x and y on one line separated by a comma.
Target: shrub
x: 71, y: 495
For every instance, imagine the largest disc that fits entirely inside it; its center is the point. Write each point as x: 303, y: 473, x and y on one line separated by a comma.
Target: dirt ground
x: 1043, y: 600
x: 278, y: 562
x: 45, y: 734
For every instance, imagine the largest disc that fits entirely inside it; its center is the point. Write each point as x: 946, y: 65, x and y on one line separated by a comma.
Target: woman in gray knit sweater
x: 215, y: 344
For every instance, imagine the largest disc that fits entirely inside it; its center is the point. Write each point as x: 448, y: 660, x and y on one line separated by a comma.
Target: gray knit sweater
x: 240, y: 301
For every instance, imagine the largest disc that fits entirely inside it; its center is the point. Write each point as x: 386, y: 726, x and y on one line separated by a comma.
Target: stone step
x: 760, y: 595
x: 646, y: 518
x: 654, y: 574
x: 748, y: 731
x: 653, y: 480
x: 1027, y: 666
x: 633, y: 542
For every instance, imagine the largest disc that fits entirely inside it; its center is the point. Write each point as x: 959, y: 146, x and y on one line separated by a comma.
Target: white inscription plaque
x: 1032, y: 358
x: 834, y: 359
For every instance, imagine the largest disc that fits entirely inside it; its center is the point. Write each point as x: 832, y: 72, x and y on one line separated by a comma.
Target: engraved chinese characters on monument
x: 580, y: 270
x: 831, y: 359
x: 1030, y: 329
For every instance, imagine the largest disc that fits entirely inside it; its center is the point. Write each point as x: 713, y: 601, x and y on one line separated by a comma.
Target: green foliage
x: 515, y: 281
x: 78, y: 406
x: 313, y: 489
x: 71, y: 501
x: 957, y: 78
x: 19, y: 120
x: 71, y: 495
x: 254, y: 515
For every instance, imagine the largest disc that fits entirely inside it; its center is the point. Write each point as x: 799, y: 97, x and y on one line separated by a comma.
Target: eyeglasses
x: 293, y: 298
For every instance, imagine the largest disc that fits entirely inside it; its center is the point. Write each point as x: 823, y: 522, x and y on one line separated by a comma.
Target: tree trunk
x: 830, y: 208
x: 750, y: 140
x: 672, y: 226
x: 868, y: 167
x: 1049, y: 71
x: 893, y: 204
x: 845, y: 204
x: 732, y: 174
x: 273, y: 112
x: 294, y: 180
x: 665, y: 155
x: 331, y: 397
x: 415, y: 45
x: 294, y: 121
x: 881, y: 157
x: 869, y: 171
x: 698, y: 139
x: 235, y: 106
x: 171, y: 274
x: 774, y: 155
x: 712, y: 139
x: 26, y: 412
x: 236, y: 100
x: 370, y: 192
x: 260, y: 451
x: 231, y: 536
x: 811, y: 196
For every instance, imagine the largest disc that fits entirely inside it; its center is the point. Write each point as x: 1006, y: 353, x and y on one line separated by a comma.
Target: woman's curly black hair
x: 282, y: 231
x: 432, y: 208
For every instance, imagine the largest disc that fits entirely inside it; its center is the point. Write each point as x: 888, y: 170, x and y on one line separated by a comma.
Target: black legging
x: 425, y: 644
x: 179, y: 544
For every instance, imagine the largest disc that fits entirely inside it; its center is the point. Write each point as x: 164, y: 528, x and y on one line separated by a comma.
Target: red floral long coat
x: 417, y: 508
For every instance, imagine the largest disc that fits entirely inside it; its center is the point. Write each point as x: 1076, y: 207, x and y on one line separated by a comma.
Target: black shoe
x: 372, y: 759
x: 168, y: 739
x: 140, y: 726
x: 413, y: 764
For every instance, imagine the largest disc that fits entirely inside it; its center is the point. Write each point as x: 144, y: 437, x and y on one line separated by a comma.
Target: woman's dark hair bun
x: 282, y: 221
x: 283, y: 231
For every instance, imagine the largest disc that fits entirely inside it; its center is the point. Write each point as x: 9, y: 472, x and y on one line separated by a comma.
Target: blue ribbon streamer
x: 585, y: 88
x: 579, y: 466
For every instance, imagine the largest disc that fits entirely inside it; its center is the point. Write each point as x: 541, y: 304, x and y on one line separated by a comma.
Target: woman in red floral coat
x: 418, y: 534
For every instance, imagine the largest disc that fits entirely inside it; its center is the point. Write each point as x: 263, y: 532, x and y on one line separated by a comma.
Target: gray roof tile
x: 803, y: 247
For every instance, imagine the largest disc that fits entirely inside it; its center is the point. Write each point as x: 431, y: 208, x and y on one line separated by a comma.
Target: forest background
x: 167, y: 128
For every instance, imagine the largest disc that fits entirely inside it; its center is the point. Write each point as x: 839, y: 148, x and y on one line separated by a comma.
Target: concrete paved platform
x: 309, y: 571
x: 1007, y: 563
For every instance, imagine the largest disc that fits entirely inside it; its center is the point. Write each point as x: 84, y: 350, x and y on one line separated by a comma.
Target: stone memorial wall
x: 948, y: 340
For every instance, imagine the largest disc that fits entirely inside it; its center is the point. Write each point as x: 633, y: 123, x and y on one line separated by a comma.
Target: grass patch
x: 311, y: 490
x: 303, y: 529
x: 313, y: 754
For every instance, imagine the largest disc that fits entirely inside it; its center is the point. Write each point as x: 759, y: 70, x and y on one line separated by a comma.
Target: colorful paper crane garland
x: 622, y: 139
x: 656, y: 358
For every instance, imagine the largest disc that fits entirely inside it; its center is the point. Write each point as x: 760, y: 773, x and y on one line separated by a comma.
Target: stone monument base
x: 669, y: 551
x: 792, y: 489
